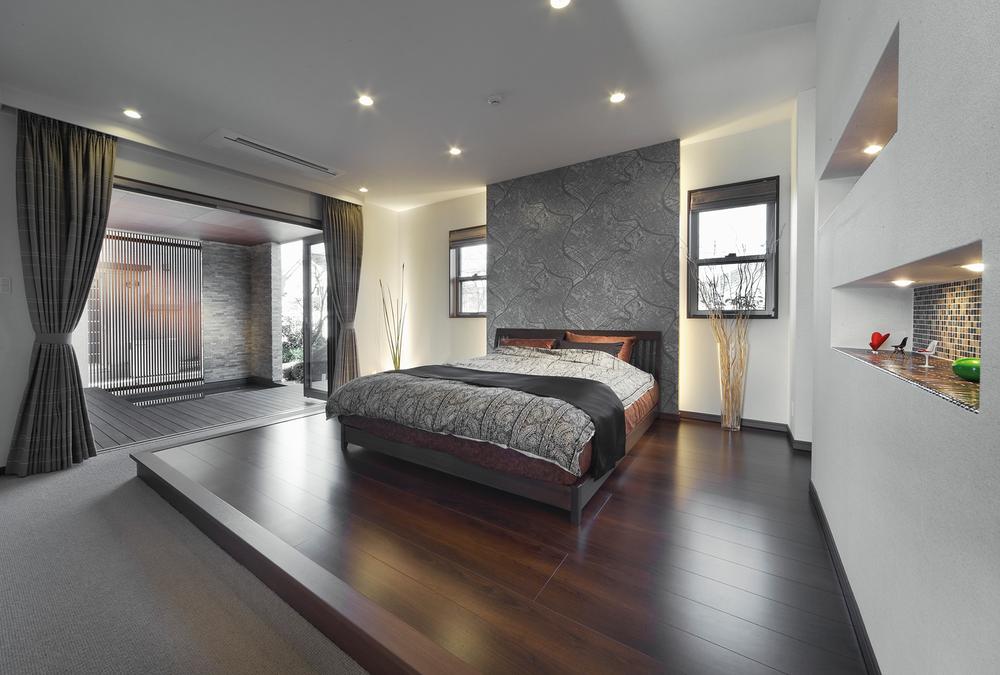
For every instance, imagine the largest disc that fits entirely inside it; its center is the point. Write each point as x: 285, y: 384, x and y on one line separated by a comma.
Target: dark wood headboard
x: 646, y: 354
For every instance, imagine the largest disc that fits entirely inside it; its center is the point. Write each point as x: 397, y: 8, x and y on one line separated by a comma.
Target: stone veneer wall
x: 225, y: 311
x: 265, y: 312
x: 950, y: 313
x: 241, y: 311
x: 590, y: 246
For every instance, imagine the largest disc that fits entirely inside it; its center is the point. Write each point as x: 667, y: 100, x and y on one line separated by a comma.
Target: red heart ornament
x: 877, y: 340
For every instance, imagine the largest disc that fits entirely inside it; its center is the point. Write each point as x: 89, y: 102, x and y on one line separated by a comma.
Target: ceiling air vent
x: 224, y: 138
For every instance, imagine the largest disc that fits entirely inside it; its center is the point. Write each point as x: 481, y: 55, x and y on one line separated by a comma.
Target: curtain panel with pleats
x: 343, y: 237
x: 64, y: 180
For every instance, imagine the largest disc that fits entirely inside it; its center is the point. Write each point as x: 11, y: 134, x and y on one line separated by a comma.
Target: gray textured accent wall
x: 225, y: 311
x: 265, y: 312
x: 590, y: 246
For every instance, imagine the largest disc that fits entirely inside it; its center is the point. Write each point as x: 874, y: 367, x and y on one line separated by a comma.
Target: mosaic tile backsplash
x: 951, y: 314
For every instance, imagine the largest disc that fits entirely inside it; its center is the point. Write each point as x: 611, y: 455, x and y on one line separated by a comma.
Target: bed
x: 490, y: 420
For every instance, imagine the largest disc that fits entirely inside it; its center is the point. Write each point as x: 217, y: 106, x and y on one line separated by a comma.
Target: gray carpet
x: 99, y: 575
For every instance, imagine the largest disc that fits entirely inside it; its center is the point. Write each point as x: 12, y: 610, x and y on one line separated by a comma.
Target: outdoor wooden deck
x: 117, y: 422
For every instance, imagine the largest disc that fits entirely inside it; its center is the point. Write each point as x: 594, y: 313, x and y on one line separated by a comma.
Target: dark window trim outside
x: 770, y: 259
x: 457, y: 240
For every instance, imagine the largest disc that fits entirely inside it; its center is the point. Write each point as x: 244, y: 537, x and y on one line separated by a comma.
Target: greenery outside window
x: 467, y: 290
x: 732, y: 241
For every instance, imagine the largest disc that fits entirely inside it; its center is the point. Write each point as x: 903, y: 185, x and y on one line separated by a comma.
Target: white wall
x: 857, y: 312
x: 431, y: 336
x: 909, y: 481
x: 756, y: 153
x: 16, y: 334
x: 379, y: 261
x: 802, y: 244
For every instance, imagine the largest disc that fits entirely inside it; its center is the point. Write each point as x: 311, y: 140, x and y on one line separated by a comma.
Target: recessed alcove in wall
x: 874, y: 120
x: 932, y: 302
x: 871, y: 126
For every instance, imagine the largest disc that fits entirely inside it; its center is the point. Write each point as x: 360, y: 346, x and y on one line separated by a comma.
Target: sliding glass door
x: 316, y: 320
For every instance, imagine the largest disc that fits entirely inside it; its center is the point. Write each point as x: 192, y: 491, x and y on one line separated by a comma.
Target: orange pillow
x: 540, y: 343
x: 628, y: 341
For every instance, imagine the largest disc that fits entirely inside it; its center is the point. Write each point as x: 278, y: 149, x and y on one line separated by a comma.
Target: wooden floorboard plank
x: 698, y: 553
x: 118, y: 422
x: 666, y: 520
x: 111, y: 427
x: 101, y: 439
x: 123, y: 414
x: 627, y: 615
x: 154, y: 415
x: 206, y: 415
x: 141, y: 420
x: 517, y: 563
x: 169, y: 412
x: 432, y: 590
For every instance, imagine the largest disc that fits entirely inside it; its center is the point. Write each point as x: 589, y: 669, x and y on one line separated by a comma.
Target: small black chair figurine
x: 901, y: 347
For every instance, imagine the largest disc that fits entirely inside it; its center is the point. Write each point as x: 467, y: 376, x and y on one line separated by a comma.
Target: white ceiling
x: 154, y: 215
x: 288, y: 74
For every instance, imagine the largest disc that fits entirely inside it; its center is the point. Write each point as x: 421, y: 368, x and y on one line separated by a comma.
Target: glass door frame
x: 307, y: 306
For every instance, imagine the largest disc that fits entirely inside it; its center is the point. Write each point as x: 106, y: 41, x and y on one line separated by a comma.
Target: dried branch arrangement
x: 731, y: 295
x: 394, y: 315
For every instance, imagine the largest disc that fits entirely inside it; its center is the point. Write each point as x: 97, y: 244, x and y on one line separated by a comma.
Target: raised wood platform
x: 701, y: 554
x: 117, y: 422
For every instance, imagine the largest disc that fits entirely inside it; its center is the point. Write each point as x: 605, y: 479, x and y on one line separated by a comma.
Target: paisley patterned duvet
x: 542, y: 427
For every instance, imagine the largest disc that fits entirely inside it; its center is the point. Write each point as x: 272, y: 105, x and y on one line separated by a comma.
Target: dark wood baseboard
x: 368, y: 633
x: 865, y: 645
x: 805, y: 446
x: 780, y: 427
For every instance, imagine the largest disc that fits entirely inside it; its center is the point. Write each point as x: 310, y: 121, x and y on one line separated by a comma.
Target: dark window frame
x: 458, y: 240
x: 733, y: 195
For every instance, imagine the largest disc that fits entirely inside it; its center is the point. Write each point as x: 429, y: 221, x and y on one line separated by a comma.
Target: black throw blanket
x: 594, y: 398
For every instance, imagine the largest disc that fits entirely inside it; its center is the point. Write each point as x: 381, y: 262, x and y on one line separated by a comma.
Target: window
x: 467, y: 294
x: 733, y: 248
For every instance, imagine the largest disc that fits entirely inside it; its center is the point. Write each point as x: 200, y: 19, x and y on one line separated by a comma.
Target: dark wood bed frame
x: 646, y: 354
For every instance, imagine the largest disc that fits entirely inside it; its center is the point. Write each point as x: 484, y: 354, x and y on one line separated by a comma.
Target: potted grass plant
x: 394, y: 316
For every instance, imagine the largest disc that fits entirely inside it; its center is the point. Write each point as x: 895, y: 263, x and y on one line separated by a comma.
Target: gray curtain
x: 343, y: 237
x: 64, y: 179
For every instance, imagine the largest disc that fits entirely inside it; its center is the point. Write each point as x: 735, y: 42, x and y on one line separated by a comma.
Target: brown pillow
x: 540, y: 343
x: 607, y: 347
x: 627, y: 342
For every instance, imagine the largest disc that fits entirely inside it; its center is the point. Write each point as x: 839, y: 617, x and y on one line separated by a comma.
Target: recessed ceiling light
x: 617, y: 97
x: 362, y: 189
x: 454, y: 151
x: 366, y: 100
x: 873, y: 149
x: 134, y: 114
x: 975, y: 267
x: 902, y: 283
x: 559, y: 4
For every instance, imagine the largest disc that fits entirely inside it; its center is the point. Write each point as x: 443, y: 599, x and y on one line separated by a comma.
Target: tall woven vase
x: 732, y: 340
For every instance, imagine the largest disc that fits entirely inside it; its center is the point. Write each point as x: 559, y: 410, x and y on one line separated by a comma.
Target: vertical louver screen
x: 144, y: 314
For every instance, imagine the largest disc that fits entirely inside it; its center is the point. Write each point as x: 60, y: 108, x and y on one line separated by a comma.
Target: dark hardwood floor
x: 117, y: 422
x: 701, y: 554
